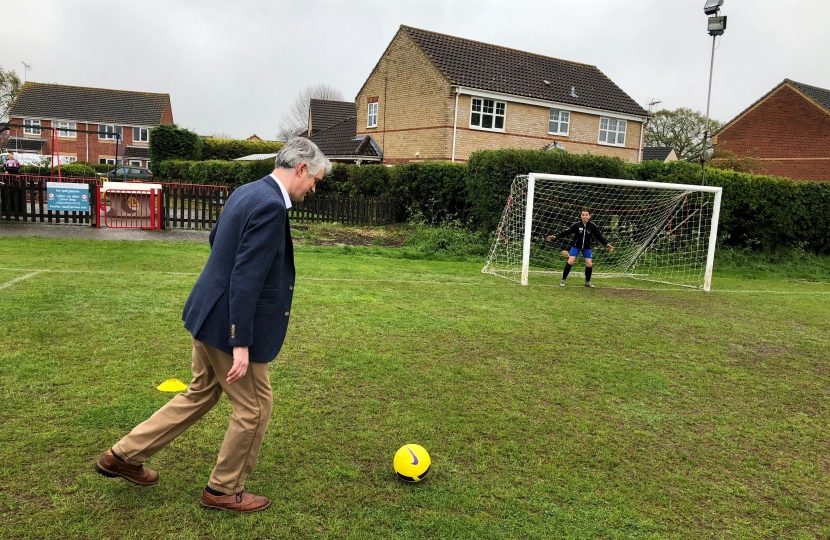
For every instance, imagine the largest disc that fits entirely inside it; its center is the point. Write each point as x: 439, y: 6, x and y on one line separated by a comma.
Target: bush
x: 214, y: 172
x: 167, y: 141
x: 227, y: 149
x: 491, y: 173
x: 435, y: 193
x: 72, y: 170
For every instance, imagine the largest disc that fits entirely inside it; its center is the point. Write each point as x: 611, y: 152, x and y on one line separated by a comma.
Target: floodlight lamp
x: 717, y: 25
x: 712, y: 6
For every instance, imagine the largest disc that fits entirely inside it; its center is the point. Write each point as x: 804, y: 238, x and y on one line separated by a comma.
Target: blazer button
x: 291, y: 287
x: 286, y: 313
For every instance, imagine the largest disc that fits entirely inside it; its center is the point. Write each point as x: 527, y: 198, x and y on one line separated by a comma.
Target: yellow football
x: 412, y: 463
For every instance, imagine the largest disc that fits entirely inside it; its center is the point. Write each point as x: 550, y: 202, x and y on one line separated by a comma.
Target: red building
x: 788, y: 129
x: 102, y: 111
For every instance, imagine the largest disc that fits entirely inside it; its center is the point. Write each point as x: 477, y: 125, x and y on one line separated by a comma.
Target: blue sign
x: 67, y: 197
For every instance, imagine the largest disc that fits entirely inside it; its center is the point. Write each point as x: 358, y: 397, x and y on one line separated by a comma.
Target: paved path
x: 85, y: 232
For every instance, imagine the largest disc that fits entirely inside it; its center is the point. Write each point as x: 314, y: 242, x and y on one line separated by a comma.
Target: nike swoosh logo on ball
x: 413, y: 456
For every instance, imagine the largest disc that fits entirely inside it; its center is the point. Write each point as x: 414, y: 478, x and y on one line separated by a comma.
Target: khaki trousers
x: 250, y: 398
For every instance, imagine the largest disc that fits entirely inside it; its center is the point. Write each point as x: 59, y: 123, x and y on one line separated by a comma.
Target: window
x: 135, y: 162
x: 612, y: 131
x: 148, y: 166
x: 487, y: 114
x: 141, y: 134
x: 106, y: 161
x: 31, y: 127
x: 63, y: 128
x: 71, y: 159
x: 372, y: 118
x: 107, y: 132
x: 559, y: 121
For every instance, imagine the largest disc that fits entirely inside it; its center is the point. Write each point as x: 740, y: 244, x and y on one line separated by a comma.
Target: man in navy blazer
x: 238, y: 315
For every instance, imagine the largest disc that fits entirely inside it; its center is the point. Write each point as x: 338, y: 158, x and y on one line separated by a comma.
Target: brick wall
x: 787, y: 131
x: 414, y: 105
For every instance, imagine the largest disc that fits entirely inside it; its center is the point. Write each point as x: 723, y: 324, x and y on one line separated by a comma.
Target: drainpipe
x: 642, y: 132
x: 454, y: 125
x: 86, y: 127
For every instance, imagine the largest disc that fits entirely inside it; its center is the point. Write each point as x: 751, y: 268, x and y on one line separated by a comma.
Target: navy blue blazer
x: 243, y: 296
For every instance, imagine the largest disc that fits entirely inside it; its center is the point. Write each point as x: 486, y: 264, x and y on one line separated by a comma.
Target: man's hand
x: 610, y: 247
x: 240, y: 364
x: 551, y: 237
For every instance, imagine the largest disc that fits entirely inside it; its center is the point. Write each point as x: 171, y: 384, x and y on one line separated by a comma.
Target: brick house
x: 332, y: 126
x: 103, y: 111
x: 437, y: 97
x: 788, y: 129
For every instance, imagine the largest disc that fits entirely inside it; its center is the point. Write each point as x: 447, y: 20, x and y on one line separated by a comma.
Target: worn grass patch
x: 630, y: 411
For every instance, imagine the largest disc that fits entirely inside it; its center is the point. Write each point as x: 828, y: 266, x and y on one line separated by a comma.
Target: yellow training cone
x: 172, y: 385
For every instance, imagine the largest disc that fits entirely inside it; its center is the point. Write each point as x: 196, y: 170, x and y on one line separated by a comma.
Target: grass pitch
x: 628, y: 411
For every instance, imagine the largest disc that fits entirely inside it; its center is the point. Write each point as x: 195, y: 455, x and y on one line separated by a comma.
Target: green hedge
x: 72, y: 170
x: 227, y: 149
x: 758, y: 212
x: 491, y: 173
x: 168, y: 141
x: 227, y: 173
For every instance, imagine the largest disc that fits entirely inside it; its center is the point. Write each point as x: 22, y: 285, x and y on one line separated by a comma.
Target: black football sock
x: 567, y: 271
x: 588, y: 270
x: 214, y: 492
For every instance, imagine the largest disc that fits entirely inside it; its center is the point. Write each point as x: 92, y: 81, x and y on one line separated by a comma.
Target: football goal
x: 661, y: 232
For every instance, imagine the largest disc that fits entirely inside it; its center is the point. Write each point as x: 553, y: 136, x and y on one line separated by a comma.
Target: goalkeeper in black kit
x: 584, y: 232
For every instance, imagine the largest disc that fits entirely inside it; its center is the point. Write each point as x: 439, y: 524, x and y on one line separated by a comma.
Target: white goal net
x: 661, y: 232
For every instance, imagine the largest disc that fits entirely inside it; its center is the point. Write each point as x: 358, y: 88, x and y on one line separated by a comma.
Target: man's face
x: 586, y: 217
x: 307, y: 182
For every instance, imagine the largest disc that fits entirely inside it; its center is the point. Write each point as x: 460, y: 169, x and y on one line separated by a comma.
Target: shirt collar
x: 282, y: 189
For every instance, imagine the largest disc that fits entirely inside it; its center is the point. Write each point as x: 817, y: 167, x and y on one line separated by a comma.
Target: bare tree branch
x: 296, y: 119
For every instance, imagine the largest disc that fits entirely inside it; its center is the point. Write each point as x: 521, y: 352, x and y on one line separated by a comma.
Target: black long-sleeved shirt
x: 583, y: 234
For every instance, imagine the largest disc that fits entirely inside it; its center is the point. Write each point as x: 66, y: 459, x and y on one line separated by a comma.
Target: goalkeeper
x: 584, y: 232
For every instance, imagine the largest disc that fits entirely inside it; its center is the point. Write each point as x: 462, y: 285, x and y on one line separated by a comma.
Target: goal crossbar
x: 655, y: 231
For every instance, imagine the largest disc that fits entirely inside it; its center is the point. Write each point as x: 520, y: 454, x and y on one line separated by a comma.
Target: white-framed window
x: 71, y: 159
x: 612, y: 131
x: 141, y: 134
x: 63, y: 129
x: 372, y: 117
x: 487, y: 114
x: 106, y: 161
x: 559, y: 122
x: 148, y: 166
x: 135, y: 162
x: 31, y: 127
x: 106, y: 132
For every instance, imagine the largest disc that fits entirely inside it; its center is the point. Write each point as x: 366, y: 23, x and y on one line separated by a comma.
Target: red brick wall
x: 783, y: 130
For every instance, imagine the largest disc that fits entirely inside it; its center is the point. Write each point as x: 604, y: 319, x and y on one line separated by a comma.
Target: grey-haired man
x: 238, y: 315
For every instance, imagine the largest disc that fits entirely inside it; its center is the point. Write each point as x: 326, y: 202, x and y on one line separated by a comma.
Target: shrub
x: 167, y: 141
x: 227, y: 149
x: 491, y: 173
x: 226, y: 173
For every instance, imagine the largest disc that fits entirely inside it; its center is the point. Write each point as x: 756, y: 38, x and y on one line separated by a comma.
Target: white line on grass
x: 18, y: 280
x: 413, y: 281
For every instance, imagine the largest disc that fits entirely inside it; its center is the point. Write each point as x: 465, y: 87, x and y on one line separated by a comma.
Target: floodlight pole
x: 708, y: 102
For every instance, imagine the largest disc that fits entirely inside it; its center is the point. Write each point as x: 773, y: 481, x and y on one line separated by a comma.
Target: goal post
x: 661, y: 232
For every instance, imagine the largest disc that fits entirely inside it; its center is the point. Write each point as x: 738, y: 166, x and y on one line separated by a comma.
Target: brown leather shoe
x: 110, y: 466
x: 240, y: 502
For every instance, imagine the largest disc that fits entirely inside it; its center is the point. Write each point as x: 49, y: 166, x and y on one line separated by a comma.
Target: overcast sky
x: 235, y: 67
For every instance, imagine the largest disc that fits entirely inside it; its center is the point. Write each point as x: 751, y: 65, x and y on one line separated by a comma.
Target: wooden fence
x: 23, y: 198
x: 186, y: 206
x: 344, y: 209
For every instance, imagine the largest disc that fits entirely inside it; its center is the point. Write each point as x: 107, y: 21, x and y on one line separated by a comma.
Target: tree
x: 10, y: 87
x: 296, y: 119
x: 682, y: 129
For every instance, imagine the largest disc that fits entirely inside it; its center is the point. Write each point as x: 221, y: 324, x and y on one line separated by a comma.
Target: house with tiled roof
x: 787, y: 129
x: 340, y: 143
x: 437, y: 97
x: 102, y: 111
x: 325, y: 113
x: 659, y: 153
